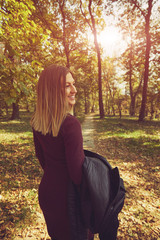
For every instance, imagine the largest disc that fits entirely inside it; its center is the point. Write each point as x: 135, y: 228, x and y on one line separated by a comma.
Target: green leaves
x: 22, y: 40
x: 34, y: 34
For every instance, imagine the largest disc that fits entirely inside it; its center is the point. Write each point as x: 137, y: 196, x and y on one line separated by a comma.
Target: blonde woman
x: 58, y: 146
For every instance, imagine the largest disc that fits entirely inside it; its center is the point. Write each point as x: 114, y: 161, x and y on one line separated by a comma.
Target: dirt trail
x: 88, y: 131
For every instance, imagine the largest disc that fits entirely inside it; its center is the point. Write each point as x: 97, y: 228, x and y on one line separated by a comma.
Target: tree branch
x: 46, y: 23
x: 84, y: 15
x: 136, y: 4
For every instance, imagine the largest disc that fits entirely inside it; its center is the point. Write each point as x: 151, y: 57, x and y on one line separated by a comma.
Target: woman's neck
x: 71, y: 111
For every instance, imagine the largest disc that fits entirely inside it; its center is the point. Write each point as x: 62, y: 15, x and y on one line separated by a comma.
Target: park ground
x: 132, y: 146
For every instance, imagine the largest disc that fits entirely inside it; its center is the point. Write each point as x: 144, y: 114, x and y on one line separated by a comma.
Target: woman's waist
x: 52, y: 171
x: 58, y: 164
x: 54, y: 178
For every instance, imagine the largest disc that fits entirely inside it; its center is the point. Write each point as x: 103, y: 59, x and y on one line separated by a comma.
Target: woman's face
x: 70, y: 89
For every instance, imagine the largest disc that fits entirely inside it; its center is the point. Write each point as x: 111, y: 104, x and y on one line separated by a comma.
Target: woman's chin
x: 72, y: 103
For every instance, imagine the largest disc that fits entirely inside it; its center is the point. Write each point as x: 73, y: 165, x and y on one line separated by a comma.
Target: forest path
x: 88, y: 133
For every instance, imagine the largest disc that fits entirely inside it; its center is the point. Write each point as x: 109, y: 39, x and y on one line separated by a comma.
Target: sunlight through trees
x: 83, y: 35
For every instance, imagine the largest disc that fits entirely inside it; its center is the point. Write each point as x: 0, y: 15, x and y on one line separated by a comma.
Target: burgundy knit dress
x: 61, y: 158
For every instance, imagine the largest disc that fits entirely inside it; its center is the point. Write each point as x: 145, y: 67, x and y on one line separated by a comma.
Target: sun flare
x: 111, y: 41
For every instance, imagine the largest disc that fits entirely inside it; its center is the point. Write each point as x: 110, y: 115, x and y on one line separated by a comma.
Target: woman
x: 58, y: 146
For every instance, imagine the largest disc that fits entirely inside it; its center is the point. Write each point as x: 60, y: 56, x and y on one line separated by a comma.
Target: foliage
x: 133, y: 57
x: 113, y: 97
x: 34, y: 34
x: 22, y: 41
x: 137, y: 28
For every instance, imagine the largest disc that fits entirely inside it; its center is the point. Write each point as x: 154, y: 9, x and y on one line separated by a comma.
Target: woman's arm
x: 74, y: 153
x: 38, y: 150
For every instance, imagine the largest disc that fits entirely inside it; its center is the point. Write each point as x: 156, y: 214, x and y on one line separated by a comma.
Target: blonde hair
x: 51, y: 107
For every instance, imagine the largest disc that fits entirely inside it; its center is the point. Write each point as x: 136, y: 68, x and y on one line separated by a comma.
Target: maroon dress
x: 61, y: 158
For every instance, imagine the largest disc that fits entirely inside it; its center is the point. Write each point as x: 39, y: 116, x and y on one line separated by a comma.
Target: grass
x: 135, y: 148
x: 20, y: 175
x: 144, y: 138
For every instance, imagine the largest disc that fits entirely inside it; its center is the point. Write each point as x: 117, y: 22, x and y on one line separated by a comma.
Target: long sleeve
x: 73, y: 143
x: 38, y: 150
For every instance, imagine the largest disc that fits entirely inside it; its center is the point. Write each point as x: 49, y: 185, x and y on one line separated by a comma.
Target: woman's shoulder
x: 72, y: 118
x: 70, y: 122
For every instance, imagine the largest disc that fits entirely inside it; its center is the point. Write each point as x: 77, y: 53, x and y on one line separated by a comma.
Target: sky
x: 112, y: 41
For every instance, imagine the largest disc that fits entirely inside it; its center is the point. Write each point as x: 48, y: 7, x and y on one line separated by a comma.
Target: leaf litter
x: 140, y: 217
x: 20, y: 174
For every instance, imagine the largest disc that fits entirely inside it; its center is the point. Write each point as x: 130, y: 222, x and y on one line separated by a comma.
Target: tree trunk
x: 85, y: 102
x: 101, y: 108
x: 15, y: 111
x: 132, y: 106
x: 92, y: 109
x: 152, y: 110
x: 27, y: 107
x: 113, y: 111
x: 6, y: 108
x: 65, y: 42
x: 93, y: 103
x: 147, y: 55
x: 120, y: 109
x: 93, y: 29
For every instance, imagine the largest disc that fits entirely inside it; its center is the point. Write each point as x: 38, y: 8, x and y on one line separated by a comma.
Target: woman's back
x: 61, y: 158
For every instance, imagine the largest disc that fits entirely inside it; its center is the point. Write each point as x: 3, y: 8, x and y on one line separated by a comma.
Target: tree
x: 85, y: 67
x: 92, y: 24
x: 22, y: 42
x: 63, y: 20
x: 142, y: 10
x: 113, y: 85
x: 132, y: 60
x: 64, y: 37
x: 147, y: 16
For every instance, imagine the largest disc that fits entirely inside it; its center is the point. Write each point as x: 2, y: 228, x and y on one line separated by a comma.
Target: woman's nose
x: 73, y: 89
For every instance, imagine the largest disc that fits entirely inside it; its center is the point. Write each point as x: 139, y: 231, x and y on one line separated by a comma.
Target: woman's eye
x: 69, y: 85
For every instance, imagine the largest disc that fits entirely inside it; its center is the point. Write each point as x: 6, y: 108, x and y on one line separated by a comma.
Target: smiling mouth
x: 72, y: 97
